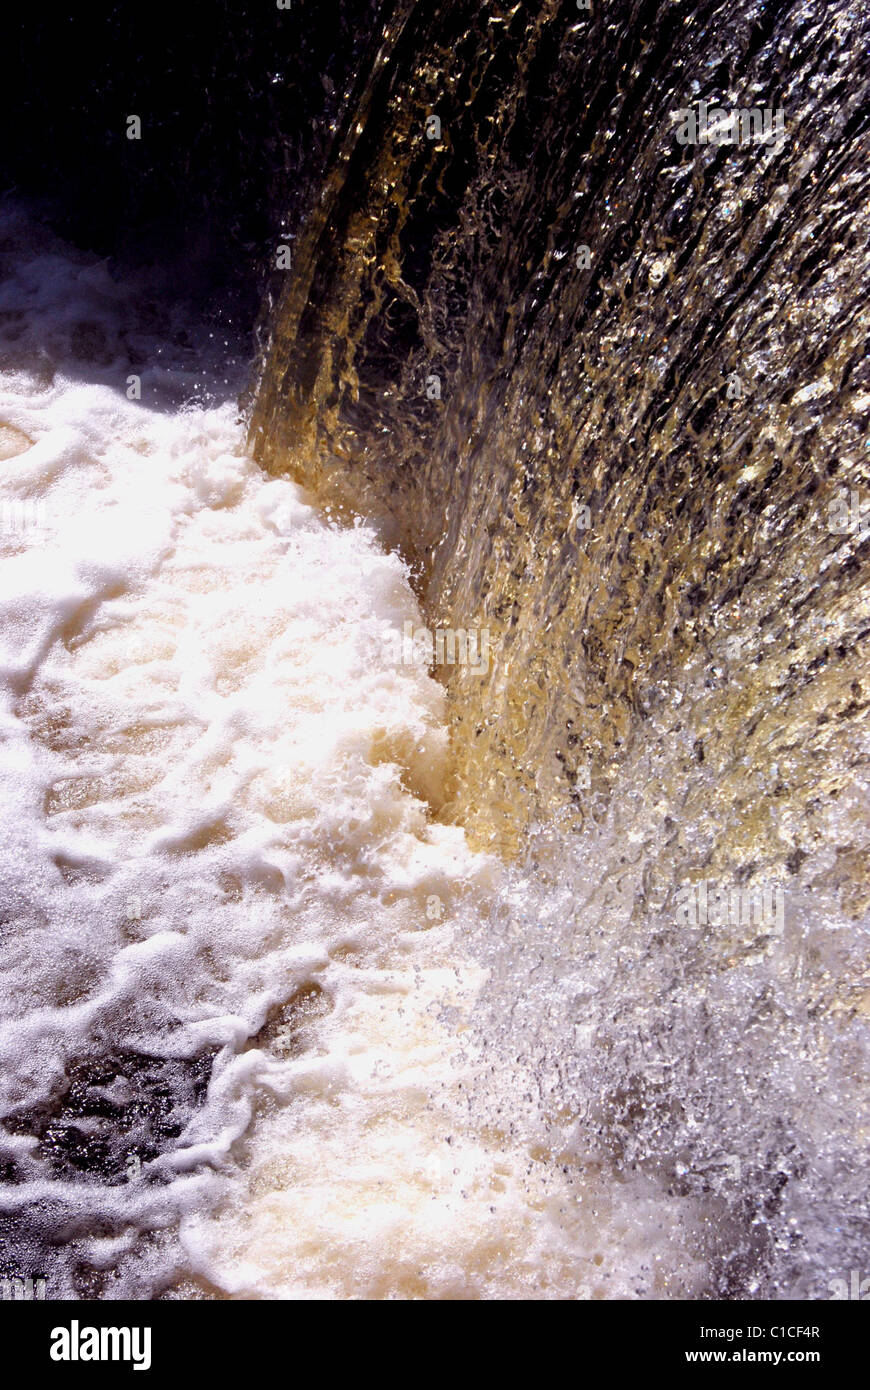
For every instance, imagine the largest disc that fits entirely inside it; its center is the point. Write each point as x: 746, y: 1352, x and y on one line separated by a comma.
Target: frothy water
x: 241, y: 992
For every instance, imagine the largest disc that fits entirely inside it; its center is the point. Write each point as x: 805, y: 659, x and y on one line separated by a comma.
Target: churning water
x: 238, y: 1006
x: 548, y: 978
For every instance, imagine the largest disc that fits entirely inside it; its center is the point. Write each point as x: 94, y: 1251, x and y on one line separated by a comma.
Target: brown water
x: 608, y: 393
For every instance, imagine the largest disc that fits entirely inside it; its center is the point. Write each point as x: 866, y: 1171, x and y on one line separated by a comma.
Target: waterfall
x: 435, y: 757
x: 605, y: 387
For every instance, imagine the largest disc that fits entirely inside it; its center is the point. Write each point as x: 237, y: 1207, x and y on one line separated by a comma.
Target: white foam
x: 217, y: 803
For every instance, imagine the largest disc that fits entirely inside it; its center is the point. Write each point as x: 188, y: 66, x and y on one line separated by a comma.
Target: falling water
x: 580, y: 318
x: 435, y: 793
